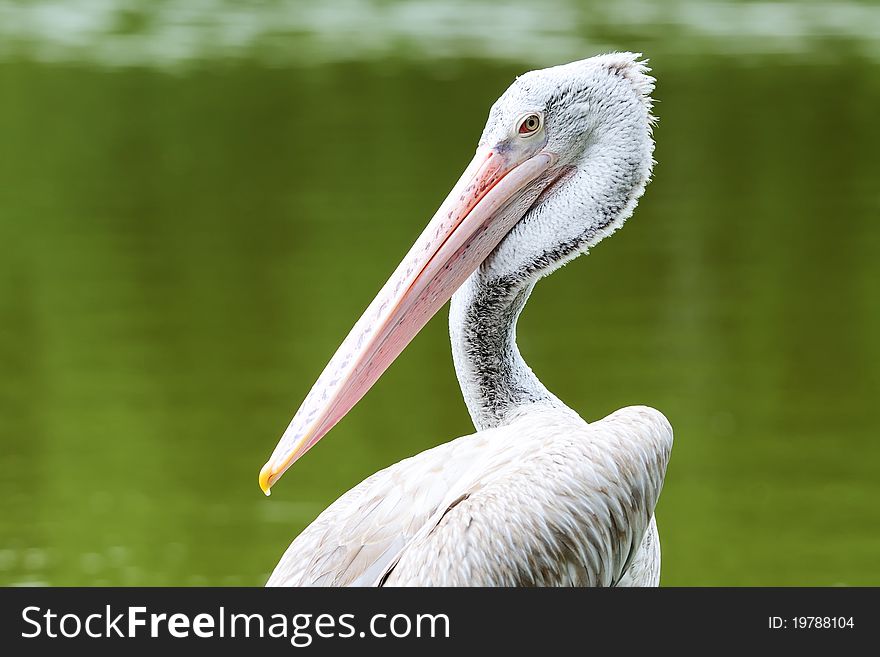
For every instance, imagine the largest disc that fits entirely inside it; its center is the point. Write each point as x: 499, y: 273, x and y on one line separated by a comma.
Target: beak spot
x: 266, y: 479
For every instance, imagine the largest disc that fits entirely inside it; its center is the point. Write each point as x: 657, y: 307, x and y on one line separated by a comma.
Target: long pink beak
x: 490, y: 197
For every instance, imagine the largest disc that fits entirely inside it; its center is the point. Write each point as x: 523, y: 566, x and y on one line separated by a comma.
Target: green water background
x: 190, y: 224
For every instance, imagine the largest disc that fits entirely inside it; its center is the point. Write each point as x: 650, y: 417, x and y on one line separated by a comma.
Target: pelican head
x: 561, y: 163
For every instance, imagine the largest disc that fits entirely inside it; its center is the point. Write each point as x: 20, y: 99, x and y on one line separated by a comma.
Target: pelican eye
x: 529, y: 125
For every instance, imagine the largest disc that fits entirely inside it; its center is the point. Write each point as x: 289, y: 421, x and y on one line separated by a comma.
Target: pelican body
x: 537, y: 496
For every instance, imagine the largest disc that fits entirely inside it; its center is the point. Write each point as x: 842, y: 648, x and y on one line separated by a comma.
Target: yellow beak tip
x: 266, y: 479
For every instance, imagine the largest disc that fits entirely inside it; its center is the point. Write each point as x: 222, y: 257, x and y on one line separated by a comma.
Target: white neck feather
x: 494, y: 378
x: 573, y: 216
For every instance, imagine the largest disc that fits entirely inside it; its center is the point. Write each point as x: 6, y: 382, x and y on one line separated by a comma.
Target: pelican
x: 537, y: 496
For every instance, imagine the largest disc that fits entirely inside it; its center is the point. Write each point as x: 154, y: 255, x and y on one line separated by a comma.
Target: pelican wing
x: 545, y: 500
x: 357, y: 538
x: 574, y: 514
